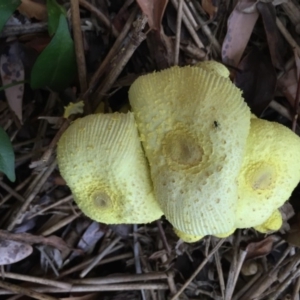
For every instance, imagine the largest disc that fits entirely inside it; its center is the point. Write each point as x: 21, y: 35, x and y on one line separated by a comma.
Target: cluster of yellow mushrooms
x: 190, y: 150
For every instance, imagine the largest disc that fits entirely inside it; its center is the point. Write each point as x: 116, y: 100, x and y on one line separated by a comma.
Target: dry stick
x: 189, y: 27
x: 163, y: 237
x: 220, y: 273
x: 46, y: 156
x: 80, y: 58
x: 281, y: 109
x: 99, y: 257
x: 58, y: 203
x: 31, y: 197
x: 240, y: 261
x: 296, y: 288
x: 91, y: 288
x: 16, y: 289
x: 281, y: 287
x: 112, y: 52
x: 233, y: 268
x: 260, y: 286
x: 23, y: 29
x: 11, y: 192
x: 122, y: 278
x: 219, y: 244
x: 104, y: 20
x: 287, y: 36
x: 296, y: 106
x: 137, y: 262
x: 248, y: 285
x: 205, y: 28
x: 178, y: 32
x: 136, y: 39
x: 60, y: 224
x: 102, y: 262
x: 44, y: 281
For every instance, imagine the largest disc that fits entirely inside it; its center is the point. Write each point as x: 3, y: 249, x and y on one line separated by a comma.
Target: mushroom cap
x: 214, y: 67
x: 273, y: 223
x: 193, y: 125
x: 100, y: 157
x: 270, y: 172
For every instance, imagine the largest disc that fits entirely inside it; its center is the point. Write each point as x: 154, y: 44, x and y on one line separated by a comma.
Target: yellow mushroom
x: 273, y: 223
x: 214, y: 67
x: 101, y: 158
x: 270, y: 172
x: 193, y: 125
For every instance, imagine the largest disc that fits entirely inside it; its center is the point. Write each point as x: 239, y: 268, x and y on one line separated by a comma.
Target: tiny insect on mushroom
x: 270, y: 172
x: 193, y: 166
x: 101, y: 158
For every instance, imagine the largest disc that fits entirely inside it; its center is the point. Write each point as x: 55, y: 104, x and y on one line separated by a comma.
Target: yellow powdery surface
x: 270, y: 172
x: 193, y: 125
x: 101, y: 158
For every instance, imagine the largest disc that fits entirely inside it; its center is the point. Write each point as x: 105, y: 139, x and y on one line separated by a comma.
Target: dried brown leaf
x: 154, y: 10
x: 277, y: 45
x: 293, y: 236
x: 12, y: 252
x: 32, y: 9
x: 240, y: 27
x: 257, y: 79
x: 12, y: 70
x: 260, y: 248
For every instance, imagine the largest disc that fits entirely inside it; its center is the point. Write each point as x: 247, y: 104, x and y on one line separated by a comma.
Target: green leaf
x: 6, y: 10
x: 56, y: 65
x: 7, y: 156
x: 54, y: 11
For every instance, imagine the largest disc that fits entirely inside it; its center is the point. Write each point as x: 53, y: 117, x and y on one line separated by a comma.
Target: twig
x: 99, y: 257
x: 16, y: 289
x: 89, y: 288
x: 30, y: 198
x: 296, y: 105
x: 230, y: 285
x: 23, y: 29
x: 57, y: 203
x: 137, y: 262
x: 178, y: 32
x: 163, y: 237
x: 112, y: 52
x: 80, y: 58
x: 136, y: 39
x: 220, y: 273
x: 122, y: 278
x: 89, y: 261
x: 102, y: 18
x: 11, y: 191
x: 189, y: 27
x: 296, y: 289
x: 200, y: 267
x: 247, y: 286
x: 61, y: 285
x: 61, y: 224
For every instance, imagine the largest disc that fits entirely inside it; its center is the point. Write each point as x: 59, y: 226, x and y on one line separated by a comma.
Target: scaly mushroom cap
x: 193, y: 125
x: 273, y: 223
x: 101, y: 158
x: 270, y: 172
x: 214, y: 67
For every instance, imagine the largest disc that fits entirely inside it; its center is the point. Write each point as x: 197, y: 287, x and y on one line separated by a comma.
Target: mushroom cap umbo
x: 193, y: 125
x: 273, y: 223
x: 100, y: 157
x: 270, y: 172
